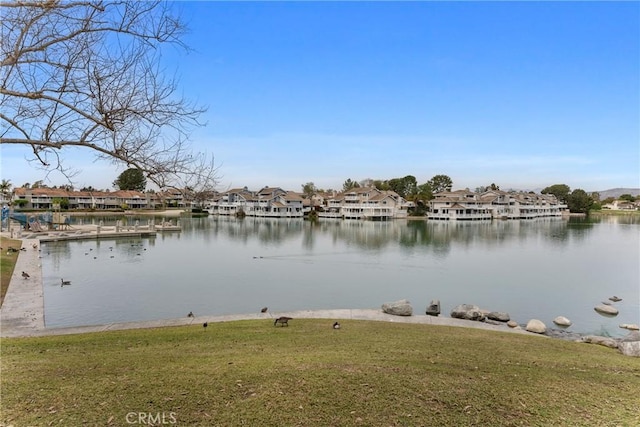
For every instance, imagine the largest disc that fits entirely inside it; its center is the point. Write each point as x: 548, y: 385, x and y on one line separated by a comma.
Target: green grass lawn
x: 365, y: 374
x: 7, y: 263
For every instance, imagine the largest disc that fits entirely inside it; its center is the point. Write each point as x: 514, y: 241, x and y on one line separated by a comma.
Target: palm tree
x: 5, y: 188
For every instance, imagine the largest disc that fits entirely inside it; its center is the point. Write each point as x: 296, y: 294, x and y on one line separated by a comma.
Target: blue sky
x: 521, y: 94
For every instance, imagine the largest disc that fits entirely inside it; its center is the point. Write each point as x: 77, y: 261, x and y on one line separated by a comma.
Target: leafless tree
x: 86, y: 73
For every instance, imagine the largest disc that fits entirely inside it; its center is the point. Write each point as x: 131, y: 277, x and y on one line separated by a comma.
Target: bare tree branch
x: 86, y: 74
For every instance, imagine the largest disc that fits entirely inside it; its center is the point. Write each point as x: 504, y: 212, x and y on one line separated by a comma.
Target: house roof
x: 123, y: 194
x: 293, y: 196
x: 489, y: 197
x: 268, y: 191
x: 495, y: 192
x: 41, y: 191
x: 238, y: 190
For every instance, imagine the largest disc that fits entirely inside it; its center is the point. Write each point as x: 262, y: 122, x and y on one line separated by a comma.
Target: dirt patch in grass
x: 367, y: 373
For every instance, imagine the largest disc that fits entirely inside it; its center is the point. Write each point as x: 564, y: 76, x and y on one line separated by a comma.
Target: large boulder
x: 467, y: 312
x: 606, y: 309
x: 433, y: 309
x: 500, y: 316
x: 630, y: 345
x: 398, y: 308
x: 536, y: 326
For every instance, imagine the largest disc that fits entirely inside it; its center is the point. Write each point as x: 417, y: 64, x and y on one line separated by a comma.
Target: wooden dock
x: 91, y: 232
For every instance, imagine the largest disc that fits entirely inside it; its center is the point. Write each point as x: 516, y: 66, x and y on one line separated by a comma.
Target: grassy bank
x: 7, y: 263
x: 367, y: 373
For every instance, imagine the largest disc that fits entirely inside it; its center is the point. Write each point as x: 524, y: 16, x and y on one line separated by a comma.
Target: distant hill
x: 617, y: 192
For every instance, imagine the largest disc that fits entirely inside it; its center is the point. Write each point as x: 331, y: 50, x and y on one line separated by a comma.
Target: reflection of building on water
x: 377, y: 234
x: 497, y: 232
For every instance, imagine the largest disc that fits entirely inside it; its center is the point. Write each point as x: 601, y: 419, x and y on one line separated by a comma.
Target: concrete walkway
x: 22, y: 313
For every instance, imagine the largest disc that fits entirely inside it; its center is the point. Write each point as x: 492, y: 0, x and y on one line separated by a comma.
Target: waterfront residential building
x: 622, y: 205
x: 45, y: 198
x: 493, y: 204
x: 358, y: 203
x: 268, y: 202
x: 231, y: 202
x: 365, y: 203
x: 460, y: 205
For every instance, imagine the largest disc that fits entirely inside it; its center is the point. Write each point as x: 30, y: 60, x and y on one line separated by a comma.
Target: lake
x: 219, y: 265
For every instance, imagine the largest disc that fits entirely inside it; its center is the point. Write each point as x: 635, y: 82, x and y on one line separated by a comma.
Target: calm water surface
x: 218, y: 265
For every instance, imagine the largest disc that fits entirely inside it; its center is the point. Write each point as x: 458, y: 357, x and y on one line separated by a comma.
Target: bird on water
x: 64, y: 282
x: 190, y: 314
x: 264, y: 309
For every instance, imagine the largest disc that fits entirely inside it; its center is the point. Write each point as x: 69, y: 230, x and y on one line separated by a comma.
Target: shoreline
x: 329, y: 315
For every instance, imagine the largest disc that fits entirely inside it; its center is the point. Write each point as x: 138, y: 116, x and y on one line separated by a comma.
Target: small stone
x: 630, y: 326
x: 606, y: 309
x: 562, y: 321
x: 615, y: 298
x: 536, y: 326
x: 512, y: 324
